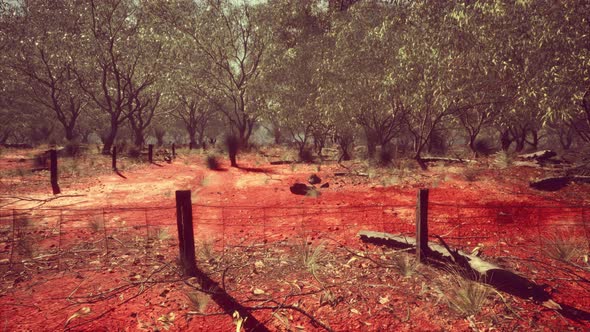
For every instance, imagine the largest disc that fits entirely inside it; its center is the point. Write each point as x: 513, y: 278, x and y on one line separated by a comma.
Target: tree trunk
x: 505, y: 140
x: 108, y: 143
x: 472, y: 145
x: 519, y: 144
x: 139, y: 141
x: 192, y: 132
x: 277, y: 135
x: 70, y: 133
x: 371, y: 148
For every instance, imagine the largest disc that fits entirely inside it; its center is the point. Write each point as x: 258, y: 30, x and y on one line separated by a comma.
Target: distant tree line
x: 409, y: 75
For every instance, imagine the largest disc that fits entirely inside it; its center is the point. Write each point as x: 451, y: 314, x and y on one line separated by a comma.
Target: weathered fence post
x: 53, y: 171
x: 184, y: 221
x: 173, y: 151
x: 151, y: 153
x: 422, y: 225
x: 114, y: 158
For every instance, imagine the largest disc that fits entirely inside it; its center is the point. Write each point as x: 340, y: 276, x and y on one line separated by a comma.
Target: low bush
x: 483, y: 147
x: 213, y: 162
x: 73, y: 149
x: 134, y: 153
x: 386, y: 157
x: 306, y: 156
x: 466, y: 297
x: 503, y: 160
x: 471, y: 173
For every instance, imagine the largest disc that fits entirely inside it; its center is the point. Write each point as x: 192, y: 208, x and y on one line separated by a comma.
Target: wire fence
x: 535, y: 241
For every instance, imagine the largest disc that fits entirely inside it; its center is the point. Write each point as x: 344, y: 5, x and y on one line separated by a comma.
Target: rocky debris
x: 300, y: 189
x: 325, y: 185
x: 314, y: 179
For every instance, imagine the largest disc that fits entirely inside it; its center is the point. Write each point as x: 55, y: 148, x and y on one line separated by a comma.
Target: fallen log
x: 351, y: 174
x: 445, y: 159
x: 557, y: 182
x: 539, y: 155
x: 486, y: 272
x: 282, y: 162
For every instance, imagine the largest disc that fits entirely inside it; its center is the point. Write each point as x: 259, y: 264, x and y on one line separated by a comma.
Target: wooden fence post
x: 151, y: 153
x: 422, y: 225
x: 173, y: 151
x: 184, y: 221
x: 53, y: 170
x: 114, y: 158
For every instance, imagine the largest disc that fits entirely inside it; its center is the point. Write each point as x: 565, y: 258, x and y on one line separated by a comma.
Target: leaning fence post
x: 53, y: 170
x: 184, y: 221
x: 151, y: 153
x: 422, y: 225
x: 114, y: 158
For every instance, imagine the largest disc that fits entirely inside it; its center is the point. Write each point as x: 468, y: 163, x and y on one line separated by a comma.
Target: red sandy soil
x: 252, y: 234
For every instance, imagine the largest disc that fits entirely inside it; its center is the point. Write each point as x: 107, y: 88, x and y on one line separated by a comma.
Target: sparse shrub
x: 466, y: 297
x: 205, y: 250
x: 503, y: 160
x: 405, y: 265
x: 96, y: 224
x: 134, y: 153
x: 471, y: 173
x: 313, y: 192
x: 213, y: 162
x: 310, y: 255
x: 41, y: 160
x: 564, y: 246
x: 162, y: 234
x: 122, y: 147
x: 386, y: 156
x: 198, y: 300
x: 24, y: 247
x: 437, y: 144
x: 306, y: 156
x: 483, y: 147
x: 73, y: 149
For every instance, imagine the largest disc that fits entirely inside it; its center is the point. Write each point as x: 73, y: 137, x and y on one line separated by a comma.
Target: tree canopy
x: 376, y: 72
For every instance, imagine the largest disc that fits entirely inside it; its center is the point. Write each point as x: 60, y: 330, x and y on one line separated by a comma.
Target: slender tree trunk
x: 139, y: 140
x: 70, y: 133
x: 506, y: 140
x: 109, y: 140
x: 418, y: 158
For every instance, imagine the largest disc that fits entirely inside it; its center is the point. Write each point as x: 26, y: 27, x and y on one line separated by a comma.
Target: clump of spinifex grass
x: 465, y: 296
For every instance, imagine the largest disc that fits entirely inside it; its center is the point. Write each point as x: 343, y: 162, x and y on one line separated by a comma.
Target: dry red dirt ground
x: 102, y: 256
